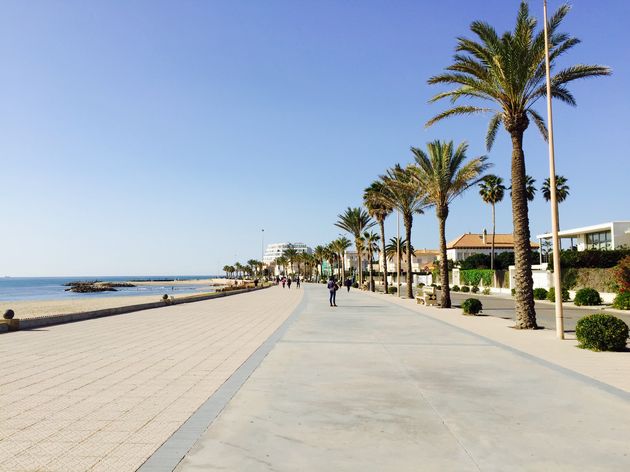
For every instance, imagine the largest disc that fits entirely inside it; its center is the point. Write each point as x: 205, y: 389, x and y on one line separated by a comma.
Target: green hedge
x: 472, y: 306
x: 540, y: 294
x: 622, y: 301
x: 476, y: 276
x: 587, y: 297
x: 590, y: 258
x: 551, y: 295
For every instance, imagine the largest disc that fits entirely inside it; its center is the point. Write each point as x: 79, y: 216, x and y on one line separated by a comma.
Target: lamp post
x: 398, y: 253
x: 552, y: 191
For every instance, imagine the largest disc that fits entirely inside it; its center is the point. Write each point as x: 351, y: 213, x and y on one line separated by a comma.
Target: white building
x: 613, y: 235
x: 474, y: 243
x: 276, y: 250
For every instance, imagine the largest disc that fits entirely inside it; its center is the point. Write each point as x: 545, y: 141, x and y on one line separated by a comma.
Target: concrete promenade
x: 379, y: 384
x: 104, y: 394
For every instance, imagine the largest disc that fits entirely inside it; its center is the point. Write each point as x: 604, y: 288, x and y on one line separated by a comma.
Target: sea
x: 53, y: 288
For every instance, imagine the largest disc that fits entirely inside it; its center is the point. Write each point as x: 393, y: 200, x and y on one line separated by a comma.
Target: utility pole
x: 552, y: 190
x: 398, y: 252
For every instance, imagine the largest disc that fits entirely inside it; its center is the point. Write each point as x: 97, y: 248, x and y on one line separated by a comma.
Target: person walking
x: 348, y: 284
x: 289, y: 282
x: 332, y: 288
x: 284, y: 281
x: 297, y: 282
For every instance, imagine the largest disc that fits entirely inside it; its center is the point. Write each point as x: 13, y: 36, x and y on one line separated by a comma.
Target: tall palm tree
x: 530, y: 188
x: 282, y: 262
x: 509, y: 72
x: 370, y: 241
x: 291, y: 254
x: 391, y: 249
x: 226, y: 269
x: 319, y: 255
x: 331, y: 256
x: 562, y: 189
x: 355, y: 221
x: 403, y: 194
x: 492, y: 191
x: 253, y: 263
x: 340, y: 246
x: 444, y: 174
x: 378, y: 209
x: 239, y: 269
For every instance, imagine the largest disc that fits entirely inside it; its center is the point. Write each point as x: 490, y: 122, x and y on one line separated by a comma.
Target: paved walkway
x: 377, y: 385
x: 104, y: 394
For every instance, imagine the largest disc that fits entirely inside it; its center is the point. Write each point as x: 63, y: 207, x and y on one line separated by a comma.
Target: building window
x: 601, y: 241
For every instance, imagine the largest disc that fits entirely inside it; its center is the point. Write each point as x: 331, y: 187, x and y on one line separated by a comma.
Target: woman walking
x: 332, y: 288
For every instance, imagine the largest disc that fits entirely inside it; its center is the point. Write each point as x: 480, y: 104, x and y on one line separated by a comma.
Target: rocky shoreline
x: 96, y: 286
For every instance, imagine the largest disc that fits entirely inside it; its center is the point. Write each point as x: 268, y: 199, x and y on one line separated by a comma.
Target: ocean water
x: 52, y: 288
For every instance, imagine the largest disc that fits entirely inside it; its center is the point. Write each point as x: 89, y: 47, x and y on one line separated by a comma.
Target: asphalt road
x: 503, y: 307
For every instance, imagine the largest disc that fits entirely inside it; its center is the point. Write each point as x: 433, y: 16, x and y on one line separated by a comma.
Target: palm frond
x: 539, y: 121
x: 493, y: 127
x: 460, y: 110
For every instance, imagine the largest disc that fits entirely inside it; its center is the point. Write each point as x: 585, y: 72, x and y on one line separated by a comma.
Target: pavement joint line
x: 550, y: 365
x: 288, y: 341
x: 174, y: 449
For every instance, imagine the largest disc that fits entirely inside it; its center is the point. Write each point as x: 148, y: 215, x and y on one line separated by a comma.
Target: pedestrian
x: 348, y: 283
x: 297, y: 282
x: 289, y: 282
x: 284, y: 281
x: 332, y: 288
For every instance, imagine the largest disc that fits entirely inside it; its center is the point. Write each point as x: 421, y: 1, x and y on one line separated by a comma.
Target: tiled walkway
x: 103, y: 395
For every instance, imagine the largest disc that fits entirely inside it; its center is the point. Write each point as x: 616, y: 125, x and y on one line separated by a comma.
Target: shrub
x: 392, y: 290
x: 472, y: 306
x: 439, y: 287
x: 420, y: 285
x: 587, y: 296
x: 486, y: 291
x: 622, y: 275
x: 622, y: 301
x: 540, y: 294
x: 551, y: 295
x: 355, y: 285
x: 455, y: 288
x: 513, y: 291
x: 474, y: 289
x: 601, y: 332
x: 476, y: 261
x: 465, y: 288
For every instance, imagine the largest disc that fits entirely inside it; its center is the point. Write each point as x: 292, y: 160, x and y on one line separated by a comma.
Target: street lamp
x: 552, y: 192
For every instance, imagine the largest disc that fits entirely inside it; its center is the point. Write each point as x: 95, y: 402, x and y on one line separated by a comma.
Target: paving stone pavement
x: 375, y: 386
x: 104, y: 394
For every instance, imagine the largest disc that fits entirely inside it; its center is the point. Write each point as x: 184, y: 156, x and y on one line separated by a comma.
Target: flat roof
x: 584, y: 229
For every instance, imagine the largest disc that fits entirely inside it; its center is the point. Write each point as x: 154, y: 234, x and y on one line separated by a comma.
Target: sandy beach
x: 209, y: 282
x: 35, y: 308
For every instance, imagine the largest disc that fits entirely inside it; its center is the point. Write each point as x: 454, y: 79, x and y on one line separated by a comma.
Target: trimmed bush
x: 465, y: 288
x: 622, y: 301
x: 551, y: 295
x: 472, y: 306
x: 355, y: 285
x: 601, y: 332
x: 475, y: 289
x: 455, y: 288
x: 513, y: 291
x: 439, y: 287
x: 476, y: 276
x: 420, y: 285
x: 540, y: 294
x: 587, y: 297
x: 392, y: 290
x: 486, y: 291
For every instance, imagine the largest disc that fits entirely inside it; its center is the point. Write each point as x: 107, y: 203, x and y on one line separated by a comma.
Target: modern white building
x: 605, y: 236
x: 275, y: 250
x: 474, y: 243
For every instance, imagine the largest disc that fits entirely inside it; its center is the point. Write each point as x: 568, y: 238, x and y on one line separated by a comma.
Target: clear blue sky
x: 155, y: 137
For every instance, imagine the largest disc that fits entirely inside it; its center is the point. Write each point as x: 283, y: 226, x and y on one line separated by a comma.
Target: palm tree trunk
x: 442, y: 214
x: 371, y: 256
x: 408, y: 223
x: 525, y: 309
x: 359, y: 250
x: 384, y: 268
x: 343, y: 267
x: 494, y: 228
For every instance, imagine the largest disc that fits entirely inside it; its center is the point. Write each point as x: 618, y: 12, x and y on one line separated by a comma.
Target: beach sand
x: 35, y: 308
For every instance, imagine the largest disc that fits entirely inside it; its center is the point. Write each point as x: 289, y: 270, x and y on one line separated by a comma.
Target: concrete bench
x: 428, y: 296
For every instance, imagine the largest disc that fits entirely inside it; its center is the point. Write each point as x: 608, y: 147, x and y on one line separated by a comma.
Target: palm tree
x: 509, y: 72
x: 396, y: 249
x: 562, y: 189
x: 340, y: 246
x: 355, y: 221
x: 444, y: 174
x: 530, y: 188
x: 226, y: 269
x: 378, y: 209
x: 492, y: 190
x: 253, y: 263
x: 403, y: 194
x: 331, y: 256
x: 239, y: 269
x: 319, y: 255
x: 370, y: 241
x: 291, y: 254
x: 282, y: 262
